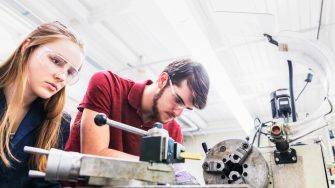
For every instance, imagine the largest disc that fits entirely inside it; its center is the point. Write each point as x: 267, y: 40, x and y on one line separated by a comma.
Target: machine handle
x: 101, y: 119
x: 36, y: 174
x: 33, y: 150
x: 204, y: 146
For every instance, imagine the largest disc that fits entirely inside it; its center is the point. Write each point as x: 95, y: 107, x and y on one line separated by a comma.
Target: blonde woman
x: 32, y: 97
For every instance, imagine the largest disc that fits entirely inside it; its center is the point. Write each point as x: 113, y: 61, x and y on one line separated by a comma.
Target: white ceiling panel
x: 135, y: 39
x: 246, y: 6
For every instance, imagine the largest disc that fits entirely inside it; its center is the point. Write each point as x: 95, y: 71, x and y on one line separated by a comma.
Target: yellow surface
x: 193, y: 156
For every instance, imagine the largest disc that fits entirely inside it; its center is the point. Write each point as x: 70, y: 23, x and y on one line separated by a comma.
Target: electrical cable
x: 331, y: 107
x: 253, y: 140
x: 307, y: 80
x: 259, y: 130
x: 259, y: 136
x: 264, y: 133
x: 301, y: 91
x: 320, y: 19
x: 290, y: 72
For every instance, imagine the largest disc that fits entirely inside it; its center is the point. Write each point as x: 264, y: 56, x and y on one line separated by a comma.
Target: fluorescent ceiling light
x: 181, y: 19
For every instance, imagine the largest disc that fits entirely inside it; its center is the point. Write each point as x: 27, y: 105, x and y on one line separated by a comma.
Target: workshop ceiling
x: 137, y: 40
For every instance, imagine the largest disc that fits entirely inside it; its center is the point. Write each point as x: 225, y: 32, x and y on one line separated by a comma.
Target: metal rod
x: 33, y: 150
x: 36, y: 174
x: 101, y: 119
x: 126, y: 127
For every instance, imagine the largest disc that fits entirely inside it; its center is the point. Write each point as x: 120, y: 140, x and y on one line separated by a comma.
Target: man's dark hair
x: 196, y: 76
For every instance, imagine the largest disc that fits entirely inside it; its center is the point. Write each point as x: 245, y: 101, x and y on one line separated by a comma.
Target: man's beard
x: 155, y: 113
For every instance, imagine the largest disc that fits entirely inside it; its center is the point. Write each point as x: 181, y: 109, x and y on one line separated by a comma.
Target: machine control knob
x: 100, y: 119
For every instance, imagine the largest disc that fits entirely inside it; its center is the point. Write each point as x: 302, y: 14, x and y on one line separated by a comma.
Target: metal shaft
x: 36, y: 174
x: 101, y: 119
x: 126, y: 127
x: 33, y: 150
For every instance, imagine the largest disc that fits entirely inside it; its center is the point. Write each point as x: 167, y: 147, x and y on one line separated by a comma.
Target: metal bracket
x: 286, y: 157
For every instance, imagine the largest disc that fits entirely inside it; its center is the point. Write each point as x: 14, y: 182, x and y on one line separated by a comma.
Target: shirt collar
x: 135, y: 95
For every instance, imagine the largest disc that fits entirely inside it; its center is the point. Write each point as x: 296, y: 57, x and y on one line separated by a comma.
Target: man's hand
x: 183, y: 177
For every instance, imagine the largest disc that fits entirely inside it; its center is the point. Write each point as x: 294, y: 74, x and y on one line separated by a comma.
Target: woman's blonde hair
x: 13, y: 74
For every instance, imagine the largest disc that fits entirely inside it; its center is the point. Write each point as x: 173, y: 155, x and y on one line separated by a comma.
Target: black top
x: 17, y: 175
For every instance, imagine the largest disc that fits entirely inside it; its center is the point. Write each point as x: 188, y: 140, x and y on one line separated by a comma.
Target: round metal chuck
x: 234, y: 161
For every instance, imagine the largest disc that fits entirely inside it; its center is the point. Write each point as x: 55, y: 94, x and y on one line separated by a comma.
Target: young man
x: 183, y: 85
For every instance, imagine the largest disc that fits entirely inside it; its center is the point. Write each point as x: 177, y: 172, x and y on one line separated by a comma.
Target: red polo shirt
x: 120, y: 99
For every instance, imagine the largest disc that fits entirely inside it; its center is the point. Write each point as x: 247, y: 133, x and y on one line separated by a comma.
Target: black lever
x: 204, y: 146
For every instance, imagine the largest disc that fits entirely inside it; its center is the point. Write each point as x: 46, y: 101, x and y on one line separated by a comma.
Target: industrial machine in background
x: 288, y: 153
x: 278, y: 165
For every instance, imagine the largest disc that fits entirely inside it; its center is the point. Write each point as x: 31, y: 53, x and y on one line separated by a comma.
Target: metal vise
x: 156, y: 145
x: 97, y: 170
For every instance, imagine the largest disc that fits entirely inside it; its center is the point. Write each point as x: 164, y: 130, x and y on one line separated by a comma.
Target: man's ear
x: 25, y: 45
x: 163, y: 79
